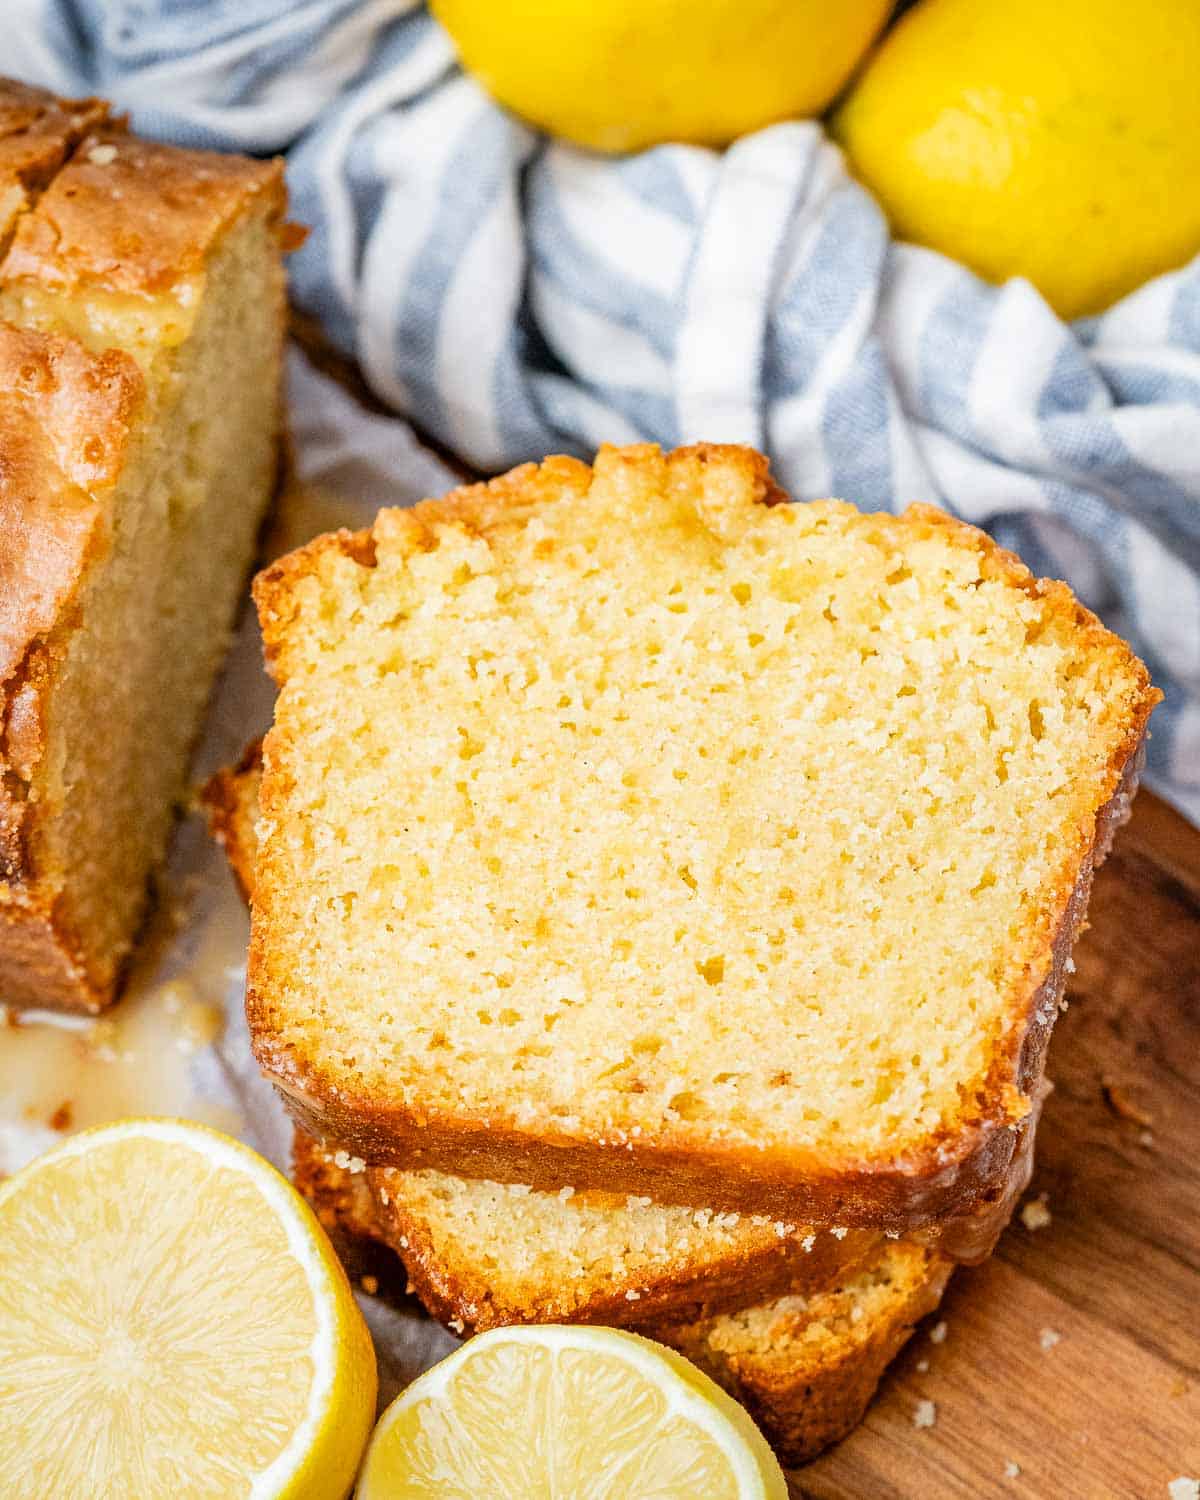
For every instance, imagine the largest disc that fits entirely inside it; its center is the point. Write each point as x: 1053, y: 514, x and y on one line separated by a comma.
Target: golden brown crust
x: 134, y: 217
x: 41, y: 958
x: 346, y: 1211
x: 37, y: 131
x: 958, y: 1171
x: 230, y: 802
x: 65, y: 423
x: 345, y: 1198
x: 911, y: 1192
x: 810, y: 1399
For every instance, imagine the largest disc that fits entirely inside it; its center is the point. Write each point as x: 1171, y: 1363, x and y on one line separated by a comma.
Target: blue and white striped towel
x: 516, y: 297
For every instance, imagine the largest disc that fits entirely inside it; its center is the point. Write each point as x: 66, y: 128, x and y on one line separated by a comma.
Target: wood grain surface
x: 1110, y: 1409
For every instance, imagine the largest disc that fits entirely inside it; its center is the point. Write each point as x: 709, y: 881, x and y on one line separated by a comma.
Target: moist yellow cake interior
x: 645, y: 807
x: 527, y: 1241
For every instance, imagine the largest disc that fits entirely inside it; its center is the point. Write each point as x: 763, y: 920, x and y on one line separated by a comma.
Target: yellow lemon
x: 523, y: 1413
x: 173, y: 1321
x: 617, y: 75
x: 1058, y: 141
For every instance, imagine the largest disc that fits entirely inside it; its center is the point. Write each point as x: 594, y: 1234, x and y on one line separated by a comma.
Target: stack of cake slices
x: 662, y: 896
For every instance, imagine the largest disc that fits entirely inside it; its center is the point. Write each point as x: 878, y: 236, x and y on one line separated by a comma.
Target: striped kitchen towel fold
x: 516, y: 297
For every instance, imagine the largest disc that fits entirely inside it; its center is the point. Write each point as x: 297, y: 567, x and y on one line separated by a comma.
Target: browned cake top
x: 36, y: 132
x: 134, y: 216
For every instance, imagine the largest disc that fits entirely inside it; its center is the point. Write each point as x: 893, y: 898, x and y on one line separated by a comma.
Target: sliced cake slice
x: 806, y: 1367
x: 627, y: 828
x: 482, y: 1254
x: 142, y: 300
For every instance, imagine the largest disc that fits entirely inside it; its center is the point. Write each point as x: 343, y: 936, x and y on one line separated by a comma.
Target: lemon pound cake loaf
x: 141, y: 327
x: 623, y: 827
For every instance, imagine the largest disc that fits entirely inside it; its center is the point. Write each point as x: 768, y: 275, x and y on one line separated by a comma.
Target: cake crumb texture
x: 486, y: 1254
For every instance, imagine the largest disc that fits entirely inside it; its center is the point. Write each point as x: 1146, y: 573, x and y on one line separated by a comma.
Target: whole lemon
x: 617, y: 75
x: 1058, y: 141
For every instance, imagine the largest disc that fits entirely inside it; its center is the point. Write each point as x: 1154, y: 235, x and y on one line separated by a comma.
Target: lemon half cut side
x: 567, y: 1413
x: 173, y: 1321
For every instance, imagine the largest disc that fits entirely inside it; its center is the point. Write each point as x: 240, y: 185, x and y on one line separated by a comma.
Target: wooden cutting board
x: 1074, y: 1353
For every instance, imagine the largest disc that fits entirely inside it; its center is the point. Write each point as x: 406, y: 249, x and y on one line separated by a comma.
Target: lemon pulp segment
x: 171, y: 1323
x: 559, y: 1413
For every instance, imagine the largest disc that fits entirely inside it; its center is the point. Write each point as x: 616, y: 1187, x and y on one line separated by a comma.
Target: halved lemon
x: 173, y: 1322
x: 558, y: 1413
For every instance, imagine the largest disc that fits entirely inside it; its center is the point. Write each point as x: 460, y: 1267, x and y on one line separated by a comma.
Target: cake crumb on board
x: 1035, y: 1214
x: 925, y: 1414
